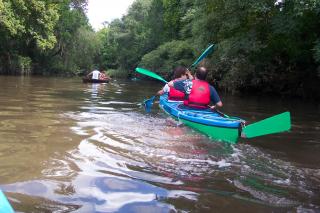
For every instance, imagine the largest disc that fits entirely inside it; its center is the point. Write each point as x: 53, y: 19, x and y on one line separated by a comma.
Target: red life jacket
x: 199, y: 96
x: 175, y: 95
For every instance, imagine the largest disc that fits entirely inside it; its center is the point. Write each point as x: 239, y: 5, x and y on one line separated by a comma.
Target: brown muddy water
x: 66, y: 146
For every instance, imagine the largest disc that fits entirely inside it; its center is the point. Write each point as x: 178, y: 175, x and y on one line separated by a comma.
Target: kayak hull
x: 210, y: 123
x: 88, y: 80
x: 230, y: 135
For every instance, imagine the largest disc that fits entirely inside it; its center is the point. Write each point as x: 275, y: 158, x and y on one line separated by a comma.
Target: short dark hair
x: 179, y: 72
x: 201, y: 73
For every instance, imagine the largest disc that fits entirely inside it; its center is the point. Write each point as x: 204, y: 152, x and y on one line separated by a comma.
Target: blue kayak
x: 214, y: 124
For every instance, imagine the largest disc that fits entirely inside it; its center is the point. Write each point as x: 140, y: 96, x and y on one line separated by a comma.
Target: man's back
x: 95, y: 74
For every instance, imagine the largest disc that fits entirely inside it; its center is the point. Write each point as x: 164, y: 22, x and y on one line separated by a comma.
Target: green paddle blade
x: 203, y: 55
x: 274, y: 124
x: 150, y: 74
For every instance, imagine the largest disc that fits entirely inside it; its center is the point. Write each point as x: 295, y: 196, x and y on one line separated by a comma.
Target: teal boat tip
x: 5, y: 206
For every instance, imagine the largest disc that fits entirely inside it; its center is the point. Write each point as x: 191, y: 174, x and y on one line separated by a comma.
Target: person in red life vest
x: 198, y: 92
x: 104, y: 76
x: 180, y: 73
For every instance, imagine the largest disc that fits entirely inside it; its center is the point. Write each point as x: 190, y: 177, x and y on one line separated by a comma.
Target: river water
x: 66, y: 146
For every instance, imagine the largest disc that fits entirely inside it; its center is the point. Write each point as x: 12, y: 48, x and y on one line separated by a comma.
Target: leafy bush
x: 167, y: 56
x: 117, y: 73
x: 21, y: 65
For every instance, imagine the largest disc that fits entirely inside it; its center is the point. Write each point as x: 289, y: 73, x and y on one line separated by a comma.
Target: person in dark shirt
x: 180, y: 73
x: 199, y: 93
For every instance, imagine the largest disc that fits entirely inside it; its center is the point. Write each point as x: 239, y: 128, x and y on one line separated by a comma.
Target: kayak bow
x: 5, y: 206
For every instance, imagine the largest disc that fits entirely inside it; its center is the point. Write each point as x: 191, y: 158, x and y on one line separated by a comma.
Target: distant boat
x: 89, y: 80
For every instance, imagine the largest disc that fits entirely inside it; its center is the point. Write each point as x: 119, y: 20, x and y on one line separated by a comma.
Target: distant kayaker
x: 95, y: 75
x: 198, y: 92
x: 180, y: 73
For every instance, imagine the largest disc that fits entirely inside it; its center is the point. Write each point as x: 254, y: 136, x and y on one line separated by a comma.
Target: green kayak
x: 221, y: 127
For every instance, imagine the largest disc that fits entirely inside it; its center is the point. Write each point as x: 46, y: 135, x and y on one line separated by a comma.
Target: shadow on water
x: 98, y: 151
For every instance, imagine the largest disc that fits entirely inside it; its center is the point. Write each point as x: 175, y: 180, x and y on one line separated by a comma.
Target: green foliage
x: 167, y: 56
x: 262, y: 46
x: 33, y: 20
x: 24, y: 64
x: 108, y: 56
x: 117, y: 73
x: 79, y: 55
x: 267, y: 45
x: 54, y: 35
x: 10, y: 24
x: 172, y: 17
x: 21, y: 65
x: 132, y: 31
x: 317, y: 51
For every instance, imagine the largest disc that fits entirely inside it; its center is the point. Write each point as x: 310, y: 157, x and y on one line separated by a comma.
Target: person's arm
x: 165, y: 89
x: 214, y: 97
x: 170, y: 84
x: 218, y: 104
x: 189, y: 75
x: 160, y: 92
x: 89, y: 74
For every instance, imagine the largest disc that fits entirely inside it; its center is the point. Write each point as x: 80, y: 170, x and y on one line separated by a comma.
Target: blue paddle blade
x: 203, y: 55
x: 148, y: 104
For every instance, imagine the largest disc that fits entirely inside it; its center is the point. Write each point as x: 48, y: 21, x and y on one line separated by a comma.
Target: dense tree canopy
x: 269, y: 45
x: 41, y: 36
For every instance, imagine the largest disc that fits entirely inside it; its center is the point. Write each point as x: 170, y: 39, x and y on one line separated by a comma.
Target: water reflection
x: 92, y: 148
